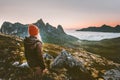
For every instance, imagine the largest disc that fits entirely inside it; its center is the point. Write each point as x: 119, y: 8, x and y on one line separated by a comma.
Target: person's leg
x: 38, y: 73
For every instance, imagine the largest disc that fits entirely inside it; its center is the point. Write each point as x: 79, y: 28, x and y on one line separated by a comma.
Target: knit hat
x: 33, y: 30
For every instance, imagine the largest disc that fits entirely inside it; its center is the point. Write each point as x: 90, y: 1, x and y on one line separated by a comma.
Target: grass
x: 54, y: 49
x: 12, y: 49
x: 108, y: 48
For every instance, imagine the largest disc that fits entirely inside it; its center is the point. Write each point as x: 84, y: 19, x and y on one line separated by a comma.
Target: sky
x: 71, y: 14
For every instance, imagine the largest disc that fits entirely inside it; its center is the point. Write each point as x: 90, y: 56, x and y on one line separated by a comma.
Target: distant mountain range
x: 49, y: 33
x: 103, y: 28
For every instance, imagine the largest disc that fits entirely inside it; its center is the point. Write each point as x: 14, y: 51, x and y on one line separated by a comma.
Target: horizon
x: 71, y: 14
x: 60, y: 24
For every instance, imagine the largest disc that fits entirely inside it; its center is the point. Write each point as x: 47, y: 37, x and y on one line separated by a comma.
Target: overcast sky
x: 68, y: 13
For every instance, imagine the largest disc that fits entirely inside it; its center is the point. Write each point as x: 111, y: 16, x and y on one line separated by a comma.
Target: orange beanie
x: 33, y: 30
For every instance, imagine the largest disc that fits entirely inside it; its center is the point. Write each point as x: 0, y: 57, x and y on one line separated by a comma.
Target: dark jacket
x: 33, y: 52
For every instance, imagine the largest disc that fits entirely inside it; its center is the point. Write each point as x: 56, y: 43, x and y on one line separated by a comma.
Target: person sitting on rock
x: 33, y: 51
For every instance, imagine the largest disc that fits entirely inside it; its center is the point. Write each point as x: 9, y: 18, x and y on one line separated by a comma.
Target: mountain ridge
x: 49, y: 33
x: 103, y: 28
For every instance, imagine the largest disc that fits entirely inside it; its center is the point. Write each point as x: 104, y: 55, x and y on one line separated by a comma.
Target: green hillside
x: 109, y: 48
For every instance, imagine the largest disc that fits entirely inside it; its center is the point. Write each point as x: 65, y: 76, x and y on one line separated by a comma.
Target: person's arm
x: 40, y: 57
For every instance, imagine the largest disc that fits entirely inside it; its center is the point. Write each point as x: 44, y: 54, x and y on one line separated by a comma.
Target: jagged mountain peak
x: 60, y: 28
x: 107, y: 26
x: 47, y: 24
x: 49, y: 33
x: 6, y: 23
x: 117, y: 26
x: 18, y: 23
x: 39, y: 23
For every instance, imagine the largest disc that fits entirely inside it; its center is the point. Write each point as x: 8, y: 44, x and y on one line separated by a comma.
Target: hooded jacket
x: 33, y: 52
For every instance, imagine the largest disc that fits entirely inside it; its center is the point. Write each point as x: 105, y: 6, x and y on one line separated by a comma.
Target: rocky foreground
x: 62, y: 63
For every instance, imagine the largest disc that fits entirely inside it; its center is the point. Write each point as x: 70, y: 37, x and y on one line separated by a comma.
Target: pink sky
x: 71, y: 14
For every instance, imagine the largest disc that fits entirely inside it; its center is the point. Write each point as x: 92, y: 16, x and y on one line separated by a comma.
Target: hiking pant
x: 37, y: 73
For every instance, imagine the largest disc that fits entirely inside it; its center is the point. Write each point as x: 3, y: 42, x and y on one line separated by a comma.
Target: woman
x: 33, y: 51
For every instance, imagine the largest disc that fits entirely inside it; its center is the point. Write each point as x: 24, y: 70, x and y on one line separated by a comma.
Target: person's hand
x: 38, y: 71
x: 45, y: 70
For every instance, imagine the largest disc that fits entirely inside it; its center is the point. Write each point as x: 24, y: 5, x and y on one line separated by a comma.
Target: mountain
x: 106, y: 48
x: 63, y: 63
x: 103, y: 28
x: 49, y: 33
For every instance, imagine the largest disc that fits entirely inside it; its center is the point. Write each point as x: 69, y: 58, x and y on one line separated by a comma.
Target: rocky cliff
x: 49, y: 33
x: 62, y: 63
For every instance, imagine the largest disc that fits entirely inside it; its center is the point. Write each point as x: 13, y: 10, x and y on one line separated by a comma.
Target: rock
x: 112, y: 74
x: 48, y: 59
x: 66, y: 60
x: 75, y: 68
x: 84, y: 65
x: 25, y: 64
x: 47, y: 56
x: 15, y: 63
x: 76, y: 65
